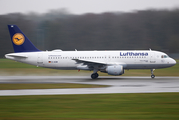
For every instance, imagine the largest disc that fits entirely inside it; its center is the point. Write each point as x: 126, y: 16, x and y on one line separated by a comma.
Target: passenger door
x: 152, y: 57
x: 39, y: 59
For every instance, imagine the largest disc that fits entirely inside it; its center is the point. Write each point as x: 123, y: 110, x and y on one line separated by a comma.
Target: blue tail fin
x: 20, y: 42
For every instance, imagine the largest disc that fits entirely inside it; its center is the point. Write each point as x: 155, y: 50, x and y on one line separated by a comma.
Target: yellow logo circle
x: 18, y: 39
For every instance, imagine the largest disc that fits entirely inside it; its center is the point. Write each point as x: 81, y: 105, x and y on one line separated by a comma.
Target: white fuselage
x: 139, y: 59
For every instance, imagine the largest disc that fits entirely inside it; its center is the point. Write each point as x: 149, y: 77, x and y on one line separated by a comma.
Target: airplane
x: 113, y: 62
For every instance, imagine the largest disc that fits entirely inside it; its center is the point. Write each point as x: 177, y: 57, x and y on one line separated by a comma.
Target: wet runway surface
x: 117, y: 84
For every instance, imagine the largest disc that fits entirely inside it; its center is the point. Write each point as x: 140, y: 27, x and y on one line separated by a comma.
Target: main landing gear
x: 94, y: 75
x: 152, y: 73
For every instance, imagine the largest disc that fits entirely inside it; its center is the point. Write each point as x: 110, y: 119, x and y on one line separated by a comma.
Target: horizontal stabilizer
x: 16, y: 56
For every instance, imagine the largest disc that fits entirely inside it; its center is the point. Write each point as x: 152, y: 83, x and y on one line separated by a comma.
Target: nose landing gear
x: 152, y: 75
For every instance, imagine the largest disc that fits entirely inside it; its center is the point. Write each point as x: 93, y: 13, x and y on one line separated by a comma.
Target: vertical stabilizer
x: 20, y: 42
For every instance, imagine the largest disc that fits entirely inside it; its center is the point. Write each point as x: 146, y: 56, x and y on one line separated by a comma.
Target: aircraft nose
x: 173, y: 62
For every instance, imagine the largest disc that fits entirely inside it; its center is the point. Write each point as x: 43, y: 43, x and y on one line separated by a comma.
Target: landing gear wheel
x: 94, y: 75
x: 152, y: 76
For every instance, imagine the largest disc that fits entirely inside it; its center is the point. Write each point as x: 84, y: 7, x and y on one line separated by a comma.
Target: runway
x: 119, y: 84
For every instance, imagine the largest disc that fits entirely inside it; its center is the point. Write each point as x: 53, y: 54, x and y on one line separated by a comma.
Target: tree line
x: 155, y: 29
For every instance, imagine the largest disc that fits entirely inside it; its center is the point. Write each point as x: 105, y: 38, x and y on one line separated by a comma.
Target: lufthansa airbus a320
x: 111, y: 62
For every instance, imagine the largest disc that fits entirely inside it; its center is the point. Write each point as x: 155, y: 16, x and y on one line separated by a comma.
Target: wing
x: 92, y: 64
x: 86, y: 62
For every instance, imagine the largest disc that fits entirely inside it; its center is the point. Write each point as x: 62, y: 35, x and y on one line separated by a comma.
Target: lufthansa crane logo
x: 18, y: 39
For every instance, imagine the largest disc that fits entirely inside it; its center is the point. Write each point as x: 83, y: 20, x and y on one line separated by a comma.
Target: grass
x: 15, y: 86
x: 153, y: 106
x: 9, y: 67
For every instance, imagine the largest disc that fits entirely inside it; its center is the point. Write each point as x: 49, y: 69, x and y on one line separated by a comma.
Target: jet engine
x: 115, y: 70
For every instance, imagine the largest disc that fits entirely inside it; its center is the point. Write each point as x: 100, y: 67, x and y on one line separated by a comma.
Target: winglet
x: 20, y: 42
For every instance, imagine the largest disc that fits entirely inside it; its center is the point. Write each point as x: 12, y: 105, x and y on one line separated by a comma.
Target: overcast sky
x: 84, y: 6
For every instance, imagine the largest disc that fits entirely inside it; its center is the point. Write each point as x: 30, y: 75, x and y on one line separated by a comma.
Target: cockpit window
x: 164, y: 56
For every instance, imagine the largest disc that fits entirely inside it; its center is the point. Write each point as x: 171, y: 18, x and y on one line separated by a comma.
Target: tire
x: 94, y: 75
x: 152, y: 76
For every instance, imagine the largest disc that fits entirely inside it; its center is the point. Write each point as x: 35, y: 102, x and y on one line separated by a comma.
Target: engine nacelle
x: 115, y: 70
